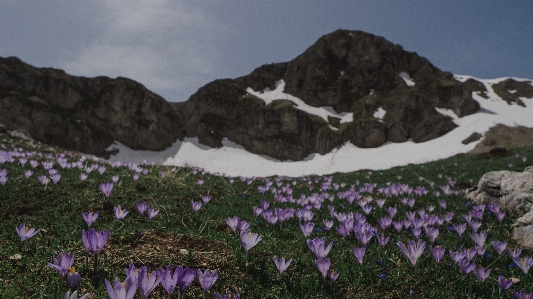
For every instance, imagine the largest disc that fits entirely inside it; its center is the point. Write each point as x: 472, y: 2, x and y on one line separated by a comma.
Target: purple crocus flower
x: 185, y: 276
x: 465, y: 266
x: 307, y: 228
x: 114, y: 179
x: 62, y: 262
x: 94, y: 241
x: 523, y: 263
x: 249, y: 240
x: 75, y: 295
x: 168, y: 279
x: 147, y: 281
x: 281, y: 264
x: 515, y: 252
x: 432, y: 233
x: 442, y: 204
x: 522, y: 295
x: 499, y: 246
x: 332, y: 275
x: 90, y: 217
x: 28, y: 173
x: 152, y: 212
x: 323, y: 266
x: 499, y: 216
x: 382, y: 240
x: 457, y: 256
x: 196, y: 206
x: 328, y: 224
x: 359, y: 254
x: 121, y: 291
x: 73, y: 279
x: 504, y: 284
x: 106, y: 188
x: 101, y: 169
x: 481, y: 273
x: 55, y: 178
x: 25, y: 232
x: 120, y: 213
x: 233, y: 223
x: 460, y: 228
x: 206, y: 198
x: 414, y: 251
x: 243, y: 225
x: 135, y: 177
x: 141, y: 206
x: 318, y: 246
x: 207, y: 279
x: 83, y: 177
x: 470, y: 253
x: 437, y: 252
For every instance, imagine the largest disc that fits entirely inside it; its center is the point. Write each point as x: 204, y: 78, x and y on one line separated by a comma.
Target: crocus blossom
x: 121, y: 291
x: 141, y: 206
x: 523, y: 263
x: 481, y: 273
x: 152, y: 212
x: 106, y: 188
x: 504, y: 284
x: 25, y: 232
x: 147, y: 281
x: 323, y: 266
x: 249, y: 240
x: 207, y: 279
x: 120, y: 213
x: 73, y: 279
x: 413, y: 251
x: 319, y: 248
x: 196, y: 206
x: 281, y: 264
x: 89, y: 217
x: 75, y: 295
x: 62, y: 262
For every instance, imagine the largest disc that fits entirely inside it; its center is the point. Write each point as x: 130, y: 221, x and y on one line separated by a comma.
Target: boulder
x: 83, y: 114
x: 514, y: 192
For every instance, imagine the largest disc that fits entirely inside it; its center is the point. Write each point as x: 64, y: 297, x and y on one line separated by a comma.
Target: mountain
x: 83, y: 114
x: 347, y: 72
x: 350, y: 87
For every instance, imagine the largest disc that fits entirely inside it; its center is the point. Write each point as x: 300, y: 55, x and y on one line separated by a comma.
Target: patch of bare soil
x: 501, y: 136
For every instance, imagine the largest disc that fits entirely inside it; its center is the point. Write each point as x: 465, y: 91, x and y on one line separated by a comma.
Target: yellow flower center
x: 27, y: 229
x: 72, y: 270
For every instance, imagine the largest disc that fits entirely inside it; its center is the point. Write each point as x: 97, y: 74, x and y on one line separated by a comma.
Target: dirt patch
x: 501, y: 136
x: 496, y: 152
x: 157, y: 248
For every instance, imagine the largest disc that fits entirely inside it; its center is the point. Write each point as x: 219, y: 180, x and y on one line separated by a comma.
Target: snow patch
x: 233, y: 160
x: 380, y: 113
x: 278, y: 94
x: 408, y: 80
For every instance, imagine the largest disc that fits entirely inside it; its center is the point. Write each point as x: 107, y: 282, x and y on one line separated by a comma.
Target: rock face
x: 349, y: 71
x: 514, y: 192
x: 344, y: 72
x: 83, y: 114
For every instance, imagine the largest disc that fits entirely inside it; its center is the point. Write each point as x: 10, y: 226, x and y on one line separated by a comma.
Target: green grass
x: 177, y: 236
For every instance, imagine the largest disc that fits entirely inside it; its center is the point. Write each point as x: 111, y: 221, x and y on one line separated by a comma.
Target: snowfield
x: 234, y: 160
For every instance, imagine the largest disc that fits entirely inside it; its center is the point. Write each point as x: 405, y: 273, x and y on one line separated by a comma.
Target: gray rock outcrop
x: 514, y: 192
x: 83, y: 114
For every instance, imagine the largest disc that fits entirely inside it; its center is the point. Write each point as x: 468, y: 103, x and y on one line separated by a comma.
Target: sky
x: 176, y: 47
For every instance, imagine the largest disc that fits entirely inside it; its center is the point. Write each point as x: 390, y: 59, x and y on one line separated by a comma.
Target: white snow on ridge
x: 408, y: 80
x: 278, y: 94
x: 380, y: 113
x: 233, y: 160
